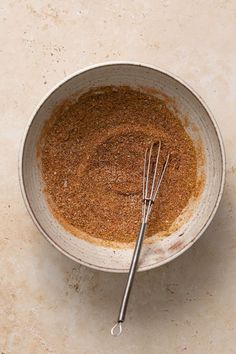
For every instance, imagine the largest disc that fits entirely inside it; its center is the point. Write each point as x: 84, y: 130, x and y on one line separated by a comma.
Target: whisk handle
x: 131, y: 274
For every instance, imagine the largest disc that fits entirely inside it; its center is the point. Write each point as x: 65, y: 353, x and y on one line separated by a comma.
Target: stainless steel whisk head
x: 152, y: 179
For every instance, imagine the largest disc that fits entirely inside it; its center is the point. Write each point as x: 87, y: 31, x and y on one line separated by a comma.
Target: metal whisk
x: 152, y: 178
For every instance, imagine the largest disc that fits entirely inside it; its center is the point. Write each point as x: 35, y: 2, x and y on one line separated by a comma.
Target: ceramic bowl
x: 201, y: 127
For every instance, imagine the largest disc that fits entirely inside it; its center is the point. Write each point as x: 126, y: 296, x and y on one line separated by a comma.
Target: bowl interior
x: 200, y: 127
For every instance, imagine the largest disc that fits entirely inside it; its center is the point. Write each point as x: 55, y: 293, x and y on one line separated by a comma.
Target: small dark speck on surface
x: 208, y: 293
x: 76, y: 287
x: 170, y: 291
x: 9, y: 205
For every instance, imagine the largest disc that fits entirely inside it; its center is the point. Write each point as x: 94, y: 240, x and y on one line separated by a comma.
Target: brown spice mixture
x: 92, y: 162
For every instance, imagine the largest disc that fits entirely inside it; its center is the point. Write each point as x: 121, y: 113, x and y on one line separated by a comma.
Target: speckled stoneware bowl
x: 203, y: 131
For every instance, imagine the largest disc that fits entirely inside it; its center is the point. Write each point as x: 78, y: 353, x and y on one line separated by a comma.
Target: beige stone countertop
x: 48, y: 303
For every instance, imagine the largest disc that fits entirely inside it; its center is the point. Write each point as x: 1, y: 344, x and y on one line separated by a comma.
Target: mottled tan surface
x: 49, y: 304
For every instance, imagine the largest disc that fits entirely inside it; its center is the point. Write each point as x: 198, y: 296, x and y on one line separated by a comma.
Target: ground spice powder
x: 92, y: 162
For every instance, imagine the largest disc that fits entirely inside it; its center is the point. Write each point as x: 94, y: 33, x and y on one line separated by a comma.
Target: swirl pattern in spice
x: 92, y: 162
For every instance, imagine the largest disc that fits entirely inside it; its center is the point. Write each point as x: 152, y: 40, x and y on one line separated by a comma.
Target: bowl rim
x: 21, y: 157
